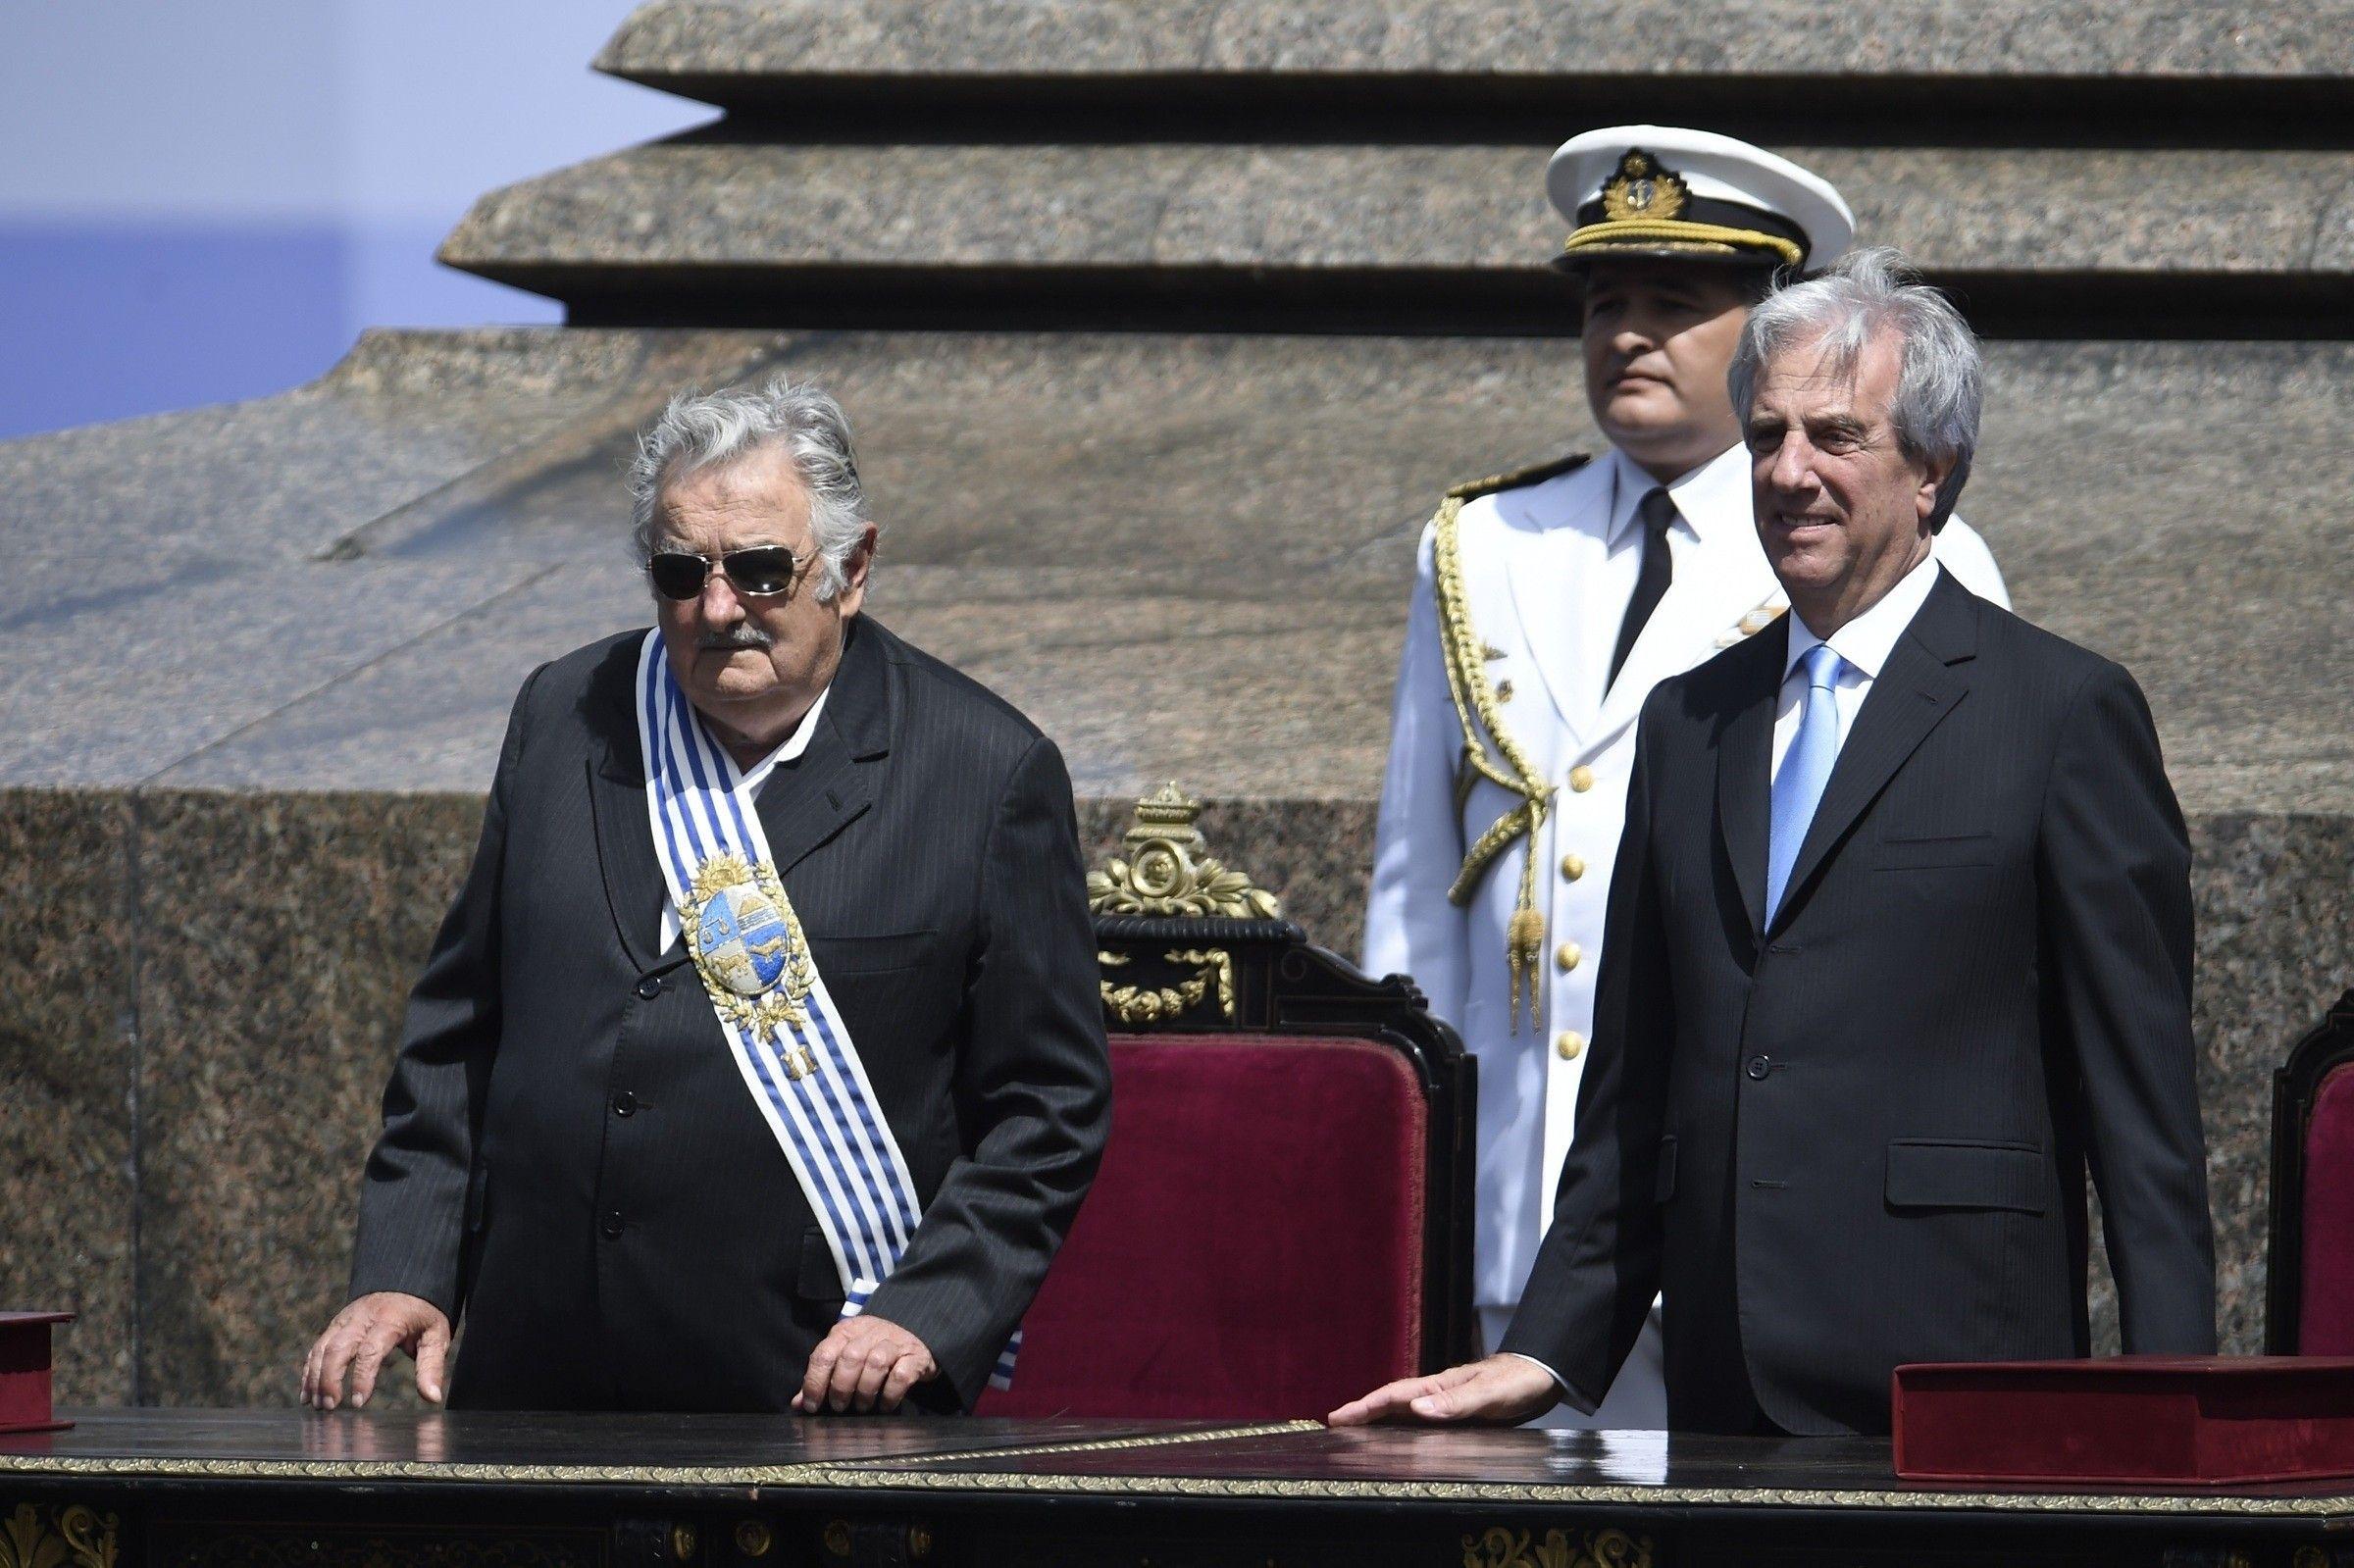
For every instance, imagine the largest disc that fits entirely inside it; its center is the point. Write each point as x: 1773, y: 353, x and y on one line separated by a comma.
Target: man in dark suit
x: 1899, y: 944
x: 650, y: 1165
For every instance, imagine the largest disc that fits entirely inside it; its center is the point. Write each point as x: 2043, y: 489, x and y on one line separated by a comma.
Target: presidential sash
x: 790, y: 1041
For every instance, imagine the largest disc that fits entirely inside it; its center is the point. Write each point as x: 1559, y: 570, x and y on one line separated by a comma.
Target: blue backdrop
x: 204, y: 203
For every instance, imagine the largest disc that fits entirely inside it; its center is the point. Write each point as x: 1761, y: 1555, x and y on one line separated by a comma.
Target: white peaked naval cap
x: 1660, y: 190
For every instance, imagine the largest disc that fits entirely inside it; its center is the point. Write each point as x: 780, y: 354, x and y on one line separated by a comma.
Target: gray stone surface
x: 1182, y: 555
x: 275, y: 935
x: 1050, y: 38
x: 171, y: 579
x: 68, y: 924
x: 1455, y: 208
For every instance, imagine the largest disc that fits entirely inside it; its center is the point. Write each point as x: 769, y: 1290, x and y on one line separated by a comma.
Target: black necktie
x: 1657, y: 511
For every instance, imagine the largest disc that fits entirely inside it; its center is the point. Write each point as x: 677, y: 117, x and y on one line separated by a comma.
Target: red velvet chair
x: 2309, y: 1292
x: 1283, y: 1217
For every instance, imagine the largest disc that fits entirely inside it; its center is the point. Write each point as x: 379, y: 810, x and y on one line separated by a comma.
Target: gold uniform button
x: 1573, y: 865
x: 1567, y: 1044
x: 1582, y: 777
x: 1566, y: 955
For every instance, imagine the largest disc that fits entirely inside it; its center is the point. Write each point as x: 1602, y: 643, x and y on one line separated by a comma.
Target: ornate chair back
x: 2309, y: 1292
x: 1283, y: 1217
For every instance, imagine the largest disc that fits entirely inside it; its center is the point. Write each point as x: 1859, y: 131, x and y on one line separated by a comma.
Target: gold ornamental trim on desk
x: 158, y: 1468
x: 898, y: 1475
x: 1168, y: 869
x: 1505, y: 1547
x: 866, y: 1476
x: 69, y: 1535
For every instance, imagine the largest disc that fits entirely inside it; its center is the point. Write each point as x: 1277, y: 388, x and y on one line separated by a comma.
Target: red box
x: 2196, y: 1421
x: 24, y: 1372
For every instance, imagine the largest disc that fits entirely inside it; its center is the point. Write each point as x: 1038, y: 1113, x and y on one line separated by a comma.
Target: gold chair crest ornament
x: 1166, y: 872
x: 1166, y: 869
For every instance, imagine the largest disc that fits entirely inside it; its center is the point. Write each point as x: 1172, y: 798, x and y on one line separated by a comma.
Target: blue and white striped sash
x: 788, y: 1039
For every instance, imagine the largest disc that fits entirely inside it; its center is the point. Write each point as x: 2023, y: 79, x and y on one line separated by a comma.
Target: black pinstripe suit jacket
x: 1857, y: 1136
x: 567, y: 1151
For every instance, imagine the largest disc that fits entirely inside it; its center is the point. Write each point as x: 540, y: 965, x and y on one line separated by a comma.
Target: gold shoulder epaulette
x: 1514, y: 478
x: 1489, y: 750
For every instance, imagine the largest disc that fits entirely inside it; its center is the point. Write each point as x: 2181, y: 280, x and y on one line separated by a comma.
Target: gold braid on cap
x: 1642, y: 203
x: 1675, y: 233
x: 1507, y: 763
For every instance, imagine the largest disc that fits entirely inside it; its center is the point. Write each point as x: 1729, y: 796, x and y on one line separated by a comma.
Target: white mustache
x: 739, y: 638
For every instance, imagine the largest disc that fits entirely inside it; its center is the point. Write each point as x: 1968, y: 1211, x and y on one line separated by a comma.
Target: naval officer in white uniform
x: 1547, y: 605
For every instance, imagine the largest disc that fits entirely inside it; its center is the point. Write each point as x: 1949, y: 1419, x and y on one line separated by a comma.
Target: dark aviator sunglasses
x: 762, y: 572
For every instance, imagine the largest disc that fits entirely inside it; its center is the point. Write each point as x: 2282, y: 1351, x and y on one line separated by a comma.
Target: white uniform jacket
x: 1548, y: 568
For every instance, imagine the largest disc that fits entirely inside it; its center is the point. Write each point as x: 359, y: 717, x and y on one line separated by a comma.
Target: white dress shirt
x: 752, y: 777
x: 1864, y: 643
x: 1718, y: 490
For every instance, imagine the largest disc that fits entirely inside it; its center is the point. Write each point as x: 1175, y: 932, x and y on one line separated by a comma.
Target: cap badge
x: 1642, y: 189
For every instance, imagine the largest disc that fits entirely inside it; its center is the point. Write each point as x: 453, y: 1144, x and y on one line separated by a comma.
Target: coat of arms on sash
x: 747, y: 945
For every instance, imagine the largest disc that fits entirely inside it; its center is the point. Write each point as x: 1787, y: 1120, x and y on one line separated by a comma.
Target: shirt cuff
x: 1559, y: 1382
x: 1583, y: 1403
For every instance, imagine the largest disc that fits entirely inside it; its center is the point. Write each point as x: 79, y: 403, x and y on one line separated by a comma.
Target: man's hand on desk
x: 865, y: 1363
x: 363, y: 1334
x: 1503, y: 1390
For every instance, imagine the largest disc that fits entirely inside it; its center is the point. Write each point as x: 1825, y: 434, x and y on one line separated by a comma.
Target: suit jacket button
x: 610, y: 1224
x: 625, y: 1103
x: 1567, y: 1044
x: 649, y: 989
x: 1567, y: 955
x: 1760, y: 1066
x: 1582, y: 777
x: 1573, y: 867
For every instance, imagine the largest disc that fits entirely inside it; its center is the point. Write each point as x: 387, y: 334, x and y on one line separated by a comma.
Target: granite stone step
x: 670, y: 42
x: 1454, y: 209
x: 1184, y: 554
x: 1919, y: 72
x: 1404, y: 238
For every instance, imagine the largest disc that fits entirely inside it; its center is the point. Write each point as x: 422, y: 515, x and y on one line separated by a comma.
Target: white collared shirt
x: 1864, y: 643
x: 1708, y: 500
x: 792, y: 747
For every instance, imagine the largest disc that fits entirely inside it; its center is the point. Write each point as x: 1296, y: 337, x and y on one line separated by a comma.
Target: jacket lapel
x: 635, y: 891
x: 808, y: 801
x: 1918, y: 688
x: 1547, y: 552
x: 1744, y: 761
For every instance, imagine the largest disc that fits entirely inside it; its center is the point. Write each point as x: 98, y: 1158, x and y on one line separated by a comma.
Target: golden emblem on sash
x: 747, y: 945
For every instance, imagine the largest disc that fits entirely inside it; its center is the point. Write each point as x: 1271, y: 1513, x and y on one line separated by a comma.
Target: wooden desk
x: 379, y: 1490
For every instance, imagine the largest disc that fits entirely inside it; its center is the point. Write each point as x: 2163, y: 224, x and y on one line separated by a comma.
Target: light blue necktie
x: 1806, y: 769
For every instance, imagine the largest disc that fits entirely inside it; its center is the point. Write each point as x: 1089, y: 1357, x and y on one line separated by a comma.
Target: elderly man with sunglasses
x: 759, y: 1064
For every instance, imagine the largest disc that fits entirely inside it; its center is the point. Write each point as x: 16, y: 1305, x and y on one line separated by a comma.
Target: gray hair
x: 699, y: 429
x: 1939, y: 386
